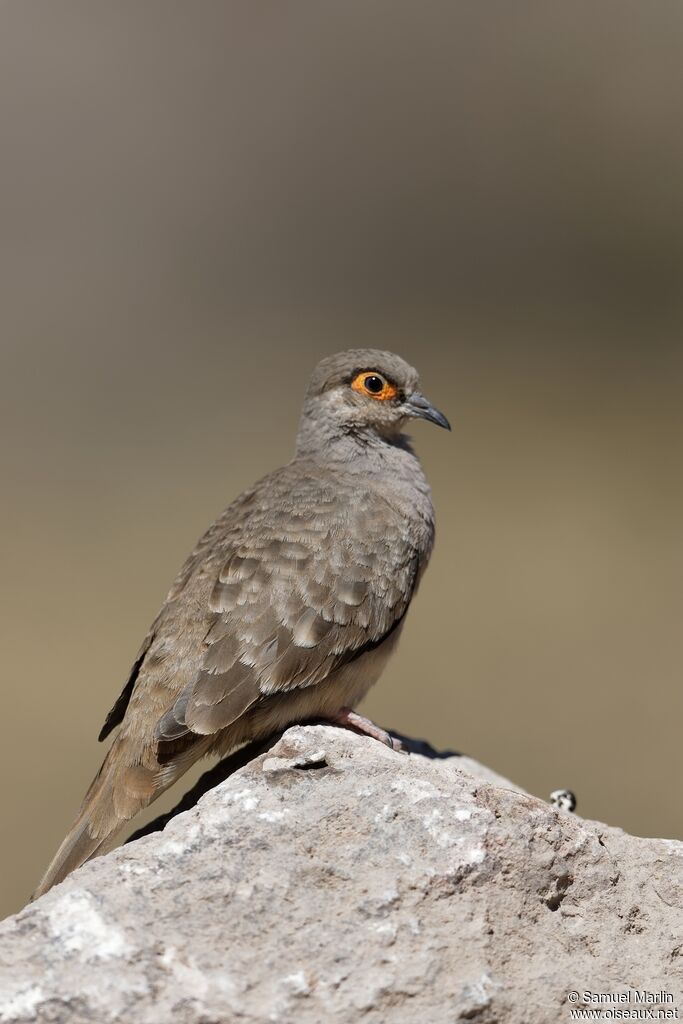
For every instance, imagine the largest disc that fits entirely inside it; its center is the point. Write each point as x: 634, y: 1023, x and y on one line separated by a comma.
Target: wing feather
x: 295, y: 579
x: 116, y: 715
x: 289, y: 607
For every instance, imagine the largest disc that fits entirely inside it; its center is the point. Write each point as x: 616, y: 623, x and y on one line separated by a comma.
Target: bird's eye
x: 374, y: 385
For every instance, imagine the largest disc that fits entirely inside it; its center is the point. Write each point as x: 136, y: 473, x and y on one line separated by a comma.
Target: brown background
x: 199, y: 200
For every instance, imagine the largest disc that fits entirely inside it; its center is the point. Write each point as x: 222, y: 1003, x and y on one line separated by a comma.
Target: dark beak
x: 418, y: 406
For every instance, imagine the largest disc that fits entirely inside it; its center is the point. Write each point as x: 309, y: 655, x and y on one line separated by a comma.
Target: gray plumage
x: 288, y: 607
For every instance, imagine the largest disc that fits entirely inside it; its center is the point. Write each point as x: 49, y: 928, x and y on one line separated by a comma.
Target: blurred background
x: 198, y: 201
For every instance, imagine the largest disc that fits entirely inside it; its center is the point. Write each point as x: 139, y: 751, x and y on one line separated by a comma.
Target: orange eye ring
x: 374, y: 385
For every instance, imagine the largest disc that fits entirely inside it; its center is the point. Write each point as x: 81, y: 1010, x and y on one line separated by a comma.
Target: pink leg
x: 350, y: 719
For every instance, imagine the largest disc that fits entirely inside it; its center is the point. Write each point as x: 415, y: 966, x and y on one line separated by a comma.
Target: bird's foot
x: 350, y: 719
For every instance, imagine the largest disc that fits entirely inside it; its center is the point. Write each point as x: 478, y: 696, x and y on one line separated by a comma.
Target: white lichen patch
x: 179, y: 840
x: 388, y: 813
x: 388, y: 897
x: 223, y: 812
x: 195, y: 983
x: 78, y: 927
x: 21, y: 1004
x: 462, y: 814
x: 386, y: 931
x: 475, y: 995
x: 416, y: 789
x: 414, y: 925
x: 272, y: 817
x: 440, y: 833
x: 245, y: 799
x: 297, y: 983
x: 172, y: 847
x: 132, y: 867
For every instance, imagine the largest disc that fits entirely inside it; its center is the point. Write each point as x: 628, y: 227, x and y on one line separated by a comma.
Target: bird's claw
x: 350, y: 719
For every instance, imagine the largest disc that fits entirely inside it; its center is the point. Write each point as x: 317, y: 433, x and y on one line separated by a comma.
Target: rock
x: 332, y: 879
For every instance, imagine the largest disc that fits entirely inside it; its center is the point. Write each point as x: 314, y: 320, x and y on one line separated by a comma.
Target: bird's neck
x: 329, y: 443
x: 389, y: 464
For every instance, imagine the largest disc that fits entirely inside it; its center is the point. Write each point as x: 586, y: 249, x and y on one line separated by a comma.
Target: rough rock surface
x: 332, y: 879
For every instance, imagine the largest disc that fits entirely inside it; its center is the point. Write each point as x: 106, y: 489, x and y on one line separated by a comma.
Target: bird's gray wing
x: 298, y: 595
x: 212, y: 537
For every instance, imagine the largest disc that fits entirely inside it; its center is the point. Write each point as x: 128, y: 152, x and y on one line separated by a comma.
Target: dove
x: 288, y: 608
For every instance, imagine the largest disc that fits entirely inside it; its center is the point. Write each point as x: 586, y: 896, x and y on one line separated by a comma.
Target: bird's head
x: 363, y: 394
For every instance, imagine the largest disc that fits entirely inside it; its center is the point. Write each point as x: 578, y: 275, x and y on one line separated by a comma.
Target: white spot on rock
x: 244, y: 798
x: 174, y: 847
x: 128, y: 867
x: 21, y: 1004
x: 180, y: 841
x: 272, y: 816
x: 415, y: 789
x: 297, y: 984
x: 387, y: 931
x: 196, y: 984
x: 388, y: 813
x: 193, y: 983
x: 414, y: 925
x: 77, y: 924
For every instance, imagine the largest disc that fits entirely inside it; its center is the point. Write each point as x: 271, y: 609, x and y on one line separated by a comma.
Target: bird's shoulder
x: 306, y: 505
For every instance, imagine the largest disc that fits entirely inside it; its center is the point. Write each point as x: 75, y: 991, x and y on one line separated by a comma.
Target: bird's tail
x: 121, y: 788
x: 78, y: 847
x: 84, y: 840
